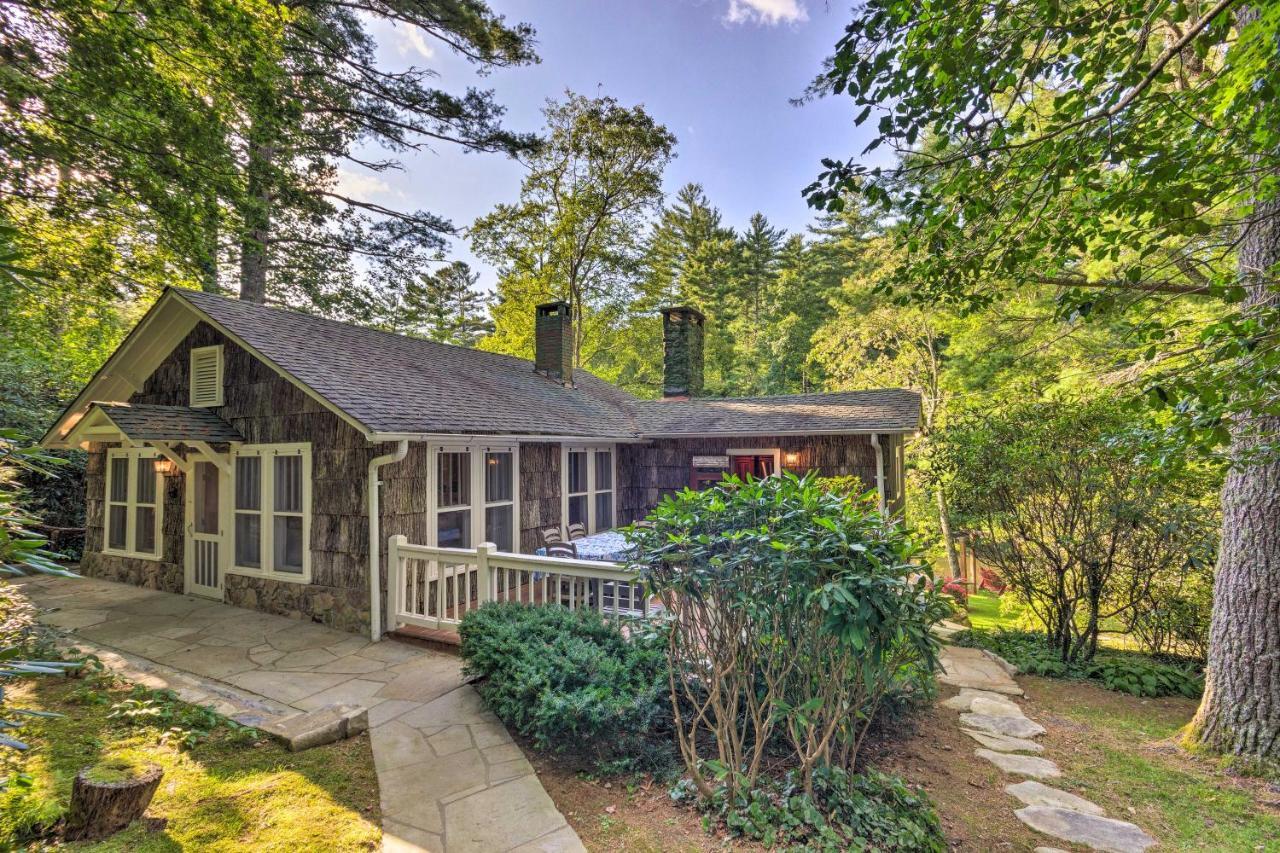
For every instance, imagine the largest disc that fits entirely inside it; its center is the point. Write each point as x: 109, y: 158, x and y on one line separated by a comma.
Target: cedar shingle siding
x: 264, y: 408
x: 392, y: 385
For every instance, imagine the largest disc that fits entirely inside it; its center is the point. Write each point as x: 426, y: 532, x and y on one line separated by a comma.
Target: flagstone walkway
x: 990, y: 715
x: 451, y: 778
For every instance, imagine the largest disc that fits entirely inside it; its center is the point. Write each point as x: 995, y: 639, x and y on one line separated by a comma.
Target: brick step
x: 432, y: 638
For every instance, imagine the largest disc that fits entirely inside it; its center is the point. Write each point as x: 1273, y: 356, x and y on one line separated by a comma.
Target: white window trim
x: 267, y: 512
x: 131, y: 505
x: 477, y: 449
x: 191, y: 377
x: 775, y: 452
x: 592, y: 491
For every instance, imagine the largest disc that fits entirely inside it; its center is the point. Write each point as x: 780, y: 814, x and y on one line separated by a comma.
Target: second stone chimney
x: 682, y: 331
x: 553, y: 342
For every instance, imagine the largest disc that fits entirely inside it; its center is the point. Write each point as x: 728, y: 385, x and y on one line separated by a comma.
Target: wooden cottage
x: 254, y: 454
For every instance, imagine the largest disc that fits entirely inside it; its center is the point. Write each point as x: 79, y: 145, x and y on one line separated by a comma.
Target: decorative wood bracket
x: 222, y: 460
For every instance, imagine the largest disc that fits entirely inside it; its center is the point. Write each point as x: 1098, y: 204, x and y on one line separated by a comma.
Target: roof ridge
x: 185, y: 292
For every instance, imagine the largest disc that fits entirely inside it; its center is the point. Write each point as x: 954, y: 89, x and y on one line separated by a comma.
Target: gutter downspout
x: 875, y: 442
x: 375, y: 536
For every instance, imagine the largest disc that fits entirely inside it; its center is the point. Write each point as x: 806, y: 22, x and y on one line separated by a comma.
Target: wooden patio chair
x: 551, y: 535
x: 577, y: 531
x: 562, y: 550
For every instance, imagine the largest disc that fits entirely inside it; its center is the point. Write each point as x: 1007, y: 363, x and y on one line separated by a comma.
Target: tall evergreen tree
x: 326, y: 92
x: 444, y: 306
x: 689, y: 261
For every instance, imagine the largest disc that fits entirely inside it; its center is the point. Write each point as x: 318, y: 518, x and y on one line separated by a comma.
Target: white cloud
x: 411, y: 40
x: 767, y: 12
x: 362, y: 186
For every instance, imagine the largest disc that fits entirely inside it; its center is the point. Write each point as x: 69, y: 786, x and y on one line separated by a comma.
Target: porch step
x: 431, y: 638
x: 327, y: 724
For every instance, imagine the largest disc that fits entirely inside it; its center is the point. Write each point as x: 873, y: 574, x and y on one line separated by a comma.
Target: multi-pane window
x: 588, y: 487
x: 474, y: 496
x: 134, y: 503
x: 453, y: 498
x: 272, y: 497
x: 499, y: 498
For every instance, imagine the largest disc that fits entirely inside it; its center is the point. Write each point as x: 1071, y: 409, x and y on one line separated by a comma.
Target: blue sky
x: 718, y: 73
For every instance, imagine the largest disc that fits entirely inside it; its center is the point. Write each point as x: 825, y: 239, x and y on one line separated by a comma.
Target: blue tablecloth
x: 609, y: 546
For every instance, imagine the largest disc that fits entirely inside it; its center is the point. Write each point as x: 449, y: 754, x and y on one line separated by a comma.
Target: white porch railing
x: 435, y: 587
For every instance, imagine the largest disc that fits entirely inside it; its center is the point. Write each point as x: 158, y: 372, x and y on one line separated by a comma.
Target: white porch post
x: 375, y: 533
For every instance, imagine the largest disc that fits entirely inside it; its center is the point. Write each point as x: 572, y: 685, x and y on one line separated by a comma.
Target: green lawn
x: 1121, y: 752
x: 984, y: 612
x: 233, y: 790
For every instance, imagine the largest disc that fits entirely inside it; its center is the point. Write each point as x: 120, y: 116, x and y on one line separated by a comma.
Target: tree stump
x: 105, y: 803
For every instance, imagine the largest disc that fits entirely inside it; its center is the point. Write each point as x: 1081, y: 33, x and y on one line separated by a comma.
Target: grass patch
x: 1120, y: 752
x: 984, y: 612
x: 223, y: 788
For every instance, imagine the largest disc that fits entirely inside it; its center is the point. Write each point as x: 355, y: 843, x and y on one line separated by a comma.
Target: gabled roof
x: 397, y: 384
x: 386, y: 384
x: 168, y: 423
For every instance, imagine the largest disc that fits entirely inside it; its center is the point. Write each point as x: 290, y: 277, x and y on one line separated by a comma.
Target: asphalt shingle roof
x: 397, y: 384
x: 169, y: 423
x: 883, y: 410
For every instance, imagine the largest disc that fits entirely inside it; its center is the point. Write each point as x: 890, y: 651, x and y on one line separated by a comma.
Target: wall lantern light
x: 791, y: 459
x: 166, y: 467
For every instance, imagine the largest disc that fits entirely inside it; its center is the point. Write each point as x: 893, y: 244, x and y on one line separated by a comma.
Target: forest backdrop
x: 1083, y: 208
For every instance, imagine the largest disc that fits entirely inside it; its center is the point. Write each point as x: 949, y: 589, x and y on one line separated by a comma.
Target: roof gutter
x: 510, y: 438
x: 375, y: 536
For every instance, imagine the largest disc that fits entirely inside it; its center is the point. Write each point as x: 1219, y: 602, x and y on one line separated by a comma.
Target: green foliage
x: 178, y: 723
x: 792, y: 613
x: 576, y: 232
x: 572, y: 682
x: 1125, y: 672
x: 443, y: 306
x: 1081, y: 519
x: 188, y: 137
x: 869, y: 811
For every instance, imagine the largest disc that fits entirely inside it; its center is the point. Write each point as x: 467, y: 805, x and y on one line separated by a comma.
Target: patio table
x: 607, y: 546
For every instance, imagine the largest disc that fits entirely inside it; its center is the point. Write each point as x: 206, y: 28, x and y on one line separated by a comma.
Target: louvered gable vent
x: 206, y: 376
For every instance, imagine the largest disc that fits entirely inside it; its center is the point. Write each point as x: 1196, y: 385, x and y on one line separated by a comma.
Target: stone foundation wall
x: 338, y: 607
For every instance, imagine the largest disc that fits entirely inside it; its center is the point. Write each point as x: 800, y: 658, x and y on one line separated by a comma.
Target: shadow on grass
x: 231, y: 790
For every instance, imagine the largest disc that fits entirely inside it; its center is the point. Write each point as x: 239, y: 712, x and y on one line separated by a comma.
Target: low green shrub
x: 869, y: 811
x: 1126, y: 672
x: 572, y: 682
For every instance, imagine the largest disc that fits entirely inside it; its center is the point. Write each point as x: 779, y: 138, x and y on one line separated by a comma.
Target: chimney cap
x: 685, y: 310
x: 547, y: 309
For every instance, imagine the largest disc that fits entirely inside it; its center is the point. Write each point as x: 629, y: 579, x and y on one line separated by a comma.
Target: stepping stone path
x: 1023, y: 765
x: 1096, y: 833
x: 1007, y: 726
x: 1001, y: 743
x: 1036, y: 794
x: 990, y: 716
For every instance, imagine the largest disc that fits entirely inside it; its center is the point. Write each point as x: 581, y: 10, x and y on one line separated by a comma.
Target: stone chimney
x: 553, y: 342
x: 682, y: 331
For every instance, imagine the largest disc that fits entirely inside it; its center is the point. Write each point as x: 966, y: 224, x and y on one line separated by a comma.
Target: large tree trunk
x: 1240, y: 711
x: 948, y: 538
x: 209, y: 262
x: 257, y: 222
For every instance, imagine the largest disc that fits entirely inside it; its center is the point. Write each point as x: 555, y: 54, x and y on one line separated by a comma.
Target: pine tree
x: 444, y: 306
